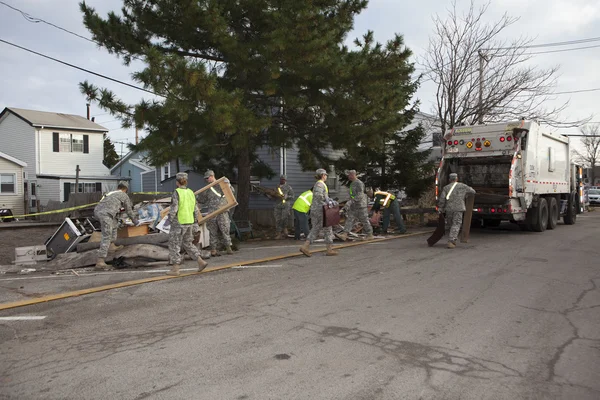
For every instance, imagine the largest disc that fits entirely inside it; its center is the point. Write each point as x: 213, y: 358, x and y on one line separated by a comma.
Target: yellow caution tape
x: 62, y: 210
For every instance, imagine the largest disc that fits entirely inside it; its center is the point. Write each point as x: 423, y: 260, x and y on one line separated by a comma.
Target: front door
x: 33, y: 196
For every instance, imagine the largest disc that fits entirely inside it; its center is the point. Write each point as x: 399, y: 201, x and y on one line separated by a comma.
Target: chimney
x: 88, y: 110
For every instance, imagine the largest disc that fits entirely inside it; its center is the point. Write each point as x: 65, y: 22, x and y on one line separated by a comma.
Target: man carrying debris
x: 320, y: 198
x: 107, y: 212
x: 218, y: 227
x: 232, y: 209
x: 301, y: 208
x: 183, y: 214
x: 389, y: 203
x: 356, y: 208
x: 452, y: 202
x: 283, y: 207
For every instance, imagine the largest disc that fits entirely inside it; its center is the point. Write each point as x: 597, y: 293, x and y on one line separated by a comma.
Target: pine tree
x: 234, y: 75
x: 111, y: 158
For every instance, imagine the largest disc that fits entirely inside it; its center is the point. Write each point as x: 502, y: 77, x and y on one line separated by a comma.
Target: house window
x: 166, y: 171
x: 77, y: 143
x: 8, y: 183
x: 65, y: 142
x: 84, y: 187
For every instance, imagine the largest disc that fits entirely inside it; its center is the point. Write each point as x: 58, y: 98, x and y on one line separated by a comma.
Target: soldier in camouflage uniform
x: 452, y: 202
x: 183, y: 215
x: 320, y: 198
x: 107, y: 212
x: 283, y: 207
x: 218, y: 227
x: 232, y: 209
x: 356, y: 208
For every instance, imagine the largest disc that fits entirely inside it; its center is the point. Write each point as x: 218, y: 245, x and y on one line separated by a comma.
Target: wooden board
x: 132, y: 231
x: 466, y: 226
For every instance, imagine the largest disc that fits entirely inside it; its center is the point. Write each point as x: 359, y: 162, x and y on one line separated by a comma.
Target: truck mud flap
x: 439, y: 232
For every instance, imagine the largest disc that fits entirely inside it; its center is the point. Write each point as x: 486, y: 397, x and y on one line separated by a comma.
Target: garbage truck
x: 521, y: 173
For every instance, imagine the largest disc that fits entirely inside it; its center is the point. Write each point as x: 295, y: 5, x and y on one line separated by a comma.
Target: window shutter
x: 99, y: 187
x: 86, y: 144
x: 67, y: 187
x: 55, y: 142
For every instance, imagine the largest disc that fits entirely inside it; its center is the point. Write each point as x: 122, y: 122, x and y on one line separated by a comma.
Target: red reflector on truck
x: 509, y: 138
x: 502, y: 138
x: 493, y: 210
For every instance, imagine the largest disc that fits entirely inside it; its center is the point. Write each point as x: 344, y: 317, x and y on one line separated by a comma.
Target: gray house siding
x: 48, y: 189
x: 272, y: 159
x: 17, y: 139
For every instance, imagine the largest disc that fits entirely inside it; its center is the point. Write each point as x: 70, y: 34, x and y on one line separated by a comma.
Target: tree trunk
x: 243, y: 197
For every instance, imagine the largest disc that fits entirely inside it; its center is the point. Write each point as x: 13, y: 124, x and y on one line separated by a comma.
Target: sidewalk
x: 26, y: 224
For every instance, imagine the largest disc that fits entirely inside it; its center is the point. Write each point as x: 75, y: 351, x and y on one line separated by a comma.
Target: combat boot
x: 370, y: 237
x: 451, y: 245
x: 305, y: 249
x: 228, y: 249
x: 101, y: 265
x: 342, y: 236
x: 114, y: 247
x: 174, y: 270
x: 201, y: 264
x: 331, y: 251
x: 285, y: 233
x: 215, y: 253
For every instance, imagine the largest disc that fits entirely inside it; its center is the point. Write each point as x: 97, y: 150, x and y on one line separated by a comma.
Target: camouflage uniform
x: 107, y: 212
x: 218, y: 227
x: 454, y: 207
x: 181, y: 235
x: 320, y: 198
x: 356, y: 208
x: 232, y: 209
x: 283, y: 208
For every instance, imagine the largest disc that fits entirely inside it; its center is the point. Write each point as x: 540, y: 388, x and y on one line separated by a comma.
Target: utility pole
x: 481, y: 59
x: 77, y: 179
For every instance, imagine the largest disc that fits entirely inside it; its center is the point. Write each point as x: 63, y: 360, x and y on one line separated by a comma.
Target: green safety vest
x: 187, y: 204
x: 302, y: 204
x: 386, y: 198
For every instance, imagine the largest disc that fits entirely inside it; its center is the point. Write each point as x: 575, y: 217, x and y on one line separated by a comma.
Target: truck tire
x: 571, y: 216
x: 541, y: 222
x: 552, y: 212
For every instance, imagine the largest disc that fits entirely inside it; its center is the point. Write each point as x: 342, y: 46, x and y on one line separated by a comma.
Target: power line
x: 560, y: 51
x: 80, y: 68
x: 551, y: 44
x: 575, y: 91
x: 36, y: 20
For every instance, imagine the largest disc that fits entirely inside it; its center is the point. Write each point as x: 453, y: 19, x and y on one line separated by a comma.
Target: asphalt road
x: 510, y: 315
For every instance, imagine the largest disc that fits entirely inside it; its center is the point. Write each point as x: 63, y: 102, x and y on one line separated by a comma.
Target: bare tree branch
x: 590, y: 155
x: 512, y: 88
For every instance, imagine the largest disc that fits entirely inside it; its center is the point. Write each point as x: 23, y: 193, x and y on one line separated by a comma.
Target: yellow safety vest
x: 281, y: 193
x: 187, y: 204
x: 326, y: 188
x: 388, y: 198
x: 302, y: 204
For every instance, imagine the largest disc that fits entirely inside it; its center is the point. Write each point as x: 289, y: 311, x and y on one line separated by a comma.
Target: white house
x: 11, y: 184
x: 52, y: 145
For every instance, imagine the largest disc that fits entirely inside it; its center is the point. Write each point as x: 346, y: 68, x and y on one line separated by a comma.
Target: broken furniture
x: 70, y: 233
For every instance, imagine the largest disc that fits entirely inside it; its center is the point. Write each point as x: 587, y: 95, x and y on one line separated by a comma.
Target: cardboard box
x: 131, y: 231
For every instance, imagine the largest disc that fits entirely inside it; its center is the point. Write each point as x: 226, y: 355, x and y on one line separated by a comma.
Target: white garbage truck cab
x: 521, y: 173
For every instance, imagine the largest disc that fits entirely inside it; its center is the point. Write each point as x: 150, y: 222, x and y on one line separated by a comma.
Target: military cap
x: 350, y: 172
x: 181, y: 175
x: 208, y: 173
x: 283, y: 177
x: 321, y: 171
x: 124, y: 183
x: 453, y: 176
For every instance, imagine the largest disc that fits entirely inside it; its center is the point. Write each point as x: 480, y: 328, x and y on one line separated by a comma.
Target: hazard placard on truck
x: 521, y: 173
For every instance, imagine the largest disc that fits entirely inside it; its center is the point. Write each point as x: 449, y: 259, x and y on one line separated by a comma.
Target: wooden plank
x: 466, y: 226
x: 132, y: 231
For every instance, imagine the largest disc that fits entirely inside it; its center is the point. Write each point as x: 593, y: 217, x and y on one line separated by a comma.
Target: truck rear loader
x: 521, y: 174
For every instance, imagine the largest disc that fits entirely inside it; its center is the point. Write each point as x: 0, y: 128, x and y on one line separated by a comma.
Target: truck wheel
x: 571, y: 216
x: 541, y: 222
x: 552, y: 212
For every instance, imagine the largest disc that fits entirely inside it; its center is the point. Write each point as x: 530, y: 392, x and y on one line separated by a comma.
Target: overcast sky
x: 29, y: 81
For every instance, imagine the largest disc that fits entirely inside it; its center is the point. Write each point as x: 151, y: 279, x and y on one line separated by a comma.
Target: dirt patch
x: 21, y: 237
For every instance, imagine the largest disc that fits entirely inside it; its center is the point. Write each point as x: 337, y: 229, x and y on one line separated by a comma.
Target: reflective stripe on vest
x: 326, y: 188
x: 302, y: 204
x: 388, y: 197
x: 280, y: 192
x: 109, y: 193
x: 187, y: 203
x: 215, y: 192
x: 451, y: 190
